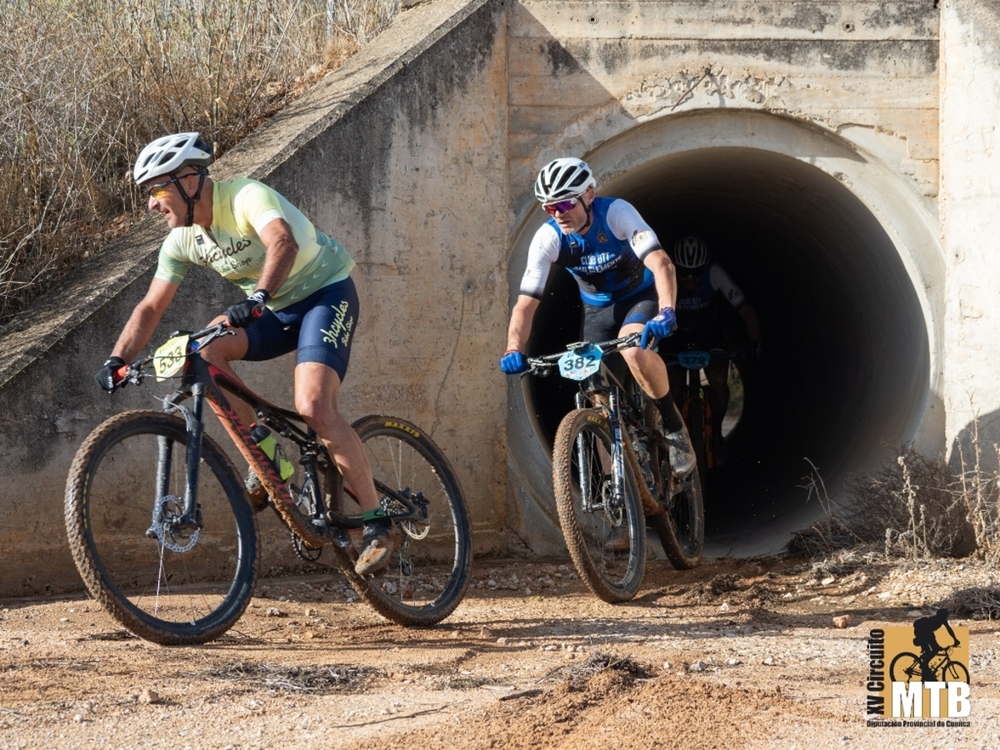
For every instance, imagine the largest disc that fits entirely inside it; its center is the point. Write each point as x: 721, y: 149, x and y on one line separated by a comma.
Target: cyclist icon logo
x: 918, y: 672
x: 934, y: 663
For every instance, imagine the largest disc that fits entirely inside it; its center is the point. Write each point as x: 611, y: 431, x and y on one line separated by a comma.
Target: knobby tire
x: 580, y: 470
x: 699, y: 439
x: 680, y: 526
x: 429, y: 572
x: 162, y: 595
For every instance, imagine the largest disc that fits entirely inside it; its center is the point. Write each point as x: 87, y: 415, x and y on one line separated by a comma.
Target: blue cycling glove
x: 513, y: 362
x: 659, y: 327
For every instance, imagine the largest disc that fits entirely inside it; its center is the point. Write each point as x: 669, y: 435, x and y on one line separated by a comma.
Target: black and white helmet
x: 563, y: 178
x: 171, y: 153
x: 690, y: 252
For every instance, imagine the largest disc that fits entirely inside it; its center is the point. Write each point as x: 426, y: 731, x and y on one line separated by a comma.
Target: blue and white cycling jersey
x: 698, y: 305
x: 607, y: 261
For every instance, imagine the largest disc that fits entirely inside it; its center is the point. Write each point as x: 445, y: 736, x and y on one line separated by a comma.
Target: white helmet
x: 563, y: 178
x: 690, y: 252
x: 171, y: 153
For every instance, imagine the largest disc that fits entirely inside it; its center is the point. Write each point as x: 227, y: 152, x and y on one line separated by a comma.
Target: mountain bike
x: 163, y: 533
x: 906, y: 667
x: 611, y: 473
x: 694, y: 405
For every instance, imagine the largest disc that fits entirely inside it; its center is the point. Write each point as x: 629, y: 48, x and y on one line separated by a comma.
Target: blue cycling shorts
x: 321, y: 327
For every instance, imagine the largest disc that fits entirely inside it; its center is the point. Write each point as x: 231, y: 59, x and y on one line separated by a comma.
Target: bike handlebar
x: 542, y: 365
x: 727, y: 352
x: 135, y: 371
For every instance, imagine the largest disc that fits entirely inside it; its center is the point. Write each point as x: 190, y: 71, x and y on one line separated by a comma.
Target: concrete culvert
x: 844, y: 377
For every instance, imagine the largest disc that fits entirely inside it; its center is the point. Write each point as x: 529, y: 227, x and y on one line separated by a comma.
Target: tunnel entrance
x: 844, y: 376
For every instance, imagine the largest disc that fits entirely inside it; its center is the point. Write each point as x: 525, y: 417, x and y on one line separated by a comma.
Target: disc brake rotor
x: 166, y: 529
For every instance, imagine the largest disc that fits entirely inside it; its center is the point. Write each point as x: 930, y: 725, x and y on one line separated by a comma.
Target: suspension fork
x: 617, y: 452
x: 192, y: 455
x: 581, y: 459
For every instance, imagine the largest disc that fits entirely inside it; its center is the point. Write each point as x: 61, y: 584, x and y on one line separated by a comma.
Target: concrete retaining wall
x: 402, y: 156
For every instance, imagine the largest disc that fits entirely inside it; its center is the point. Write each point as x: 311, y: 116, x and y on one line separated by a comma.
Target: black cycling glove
x: 244, y: 313
x: 106, y: 376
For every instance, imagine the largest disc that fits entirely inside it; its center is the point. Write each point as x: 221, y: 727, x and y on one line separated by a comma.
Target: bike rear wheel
x: 681, y: 525
x: 606, y: 541
x: 699, y: 438
x: 905, y: 667
x: 168, y: 585
x: 429, y: 571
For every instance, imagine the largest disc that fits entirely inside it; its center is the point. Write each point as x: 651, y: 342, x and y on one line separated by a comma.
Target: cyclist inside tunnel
x: 626, y: 281
x: 299, y: 297
x: 703, y: 289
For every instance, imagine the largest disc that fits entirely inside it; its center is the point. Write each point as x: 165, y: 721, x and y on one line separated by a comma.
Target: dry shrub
x: 828, y: 535
x: 915, y: 507
x: 84, y: 85
x: 980, y: 492
x: 975, y: 602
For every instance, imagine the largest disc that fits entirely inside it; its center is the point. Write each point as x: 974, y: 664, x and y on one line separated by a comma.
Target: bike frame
x: 202, y: 381
x: 695, y: 390
x: 603, y: 391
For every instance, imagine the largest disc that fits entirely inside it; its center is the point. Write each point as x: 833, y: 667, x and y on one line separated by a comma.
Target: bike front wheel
x: 166, y: 581
x: 429, y: 571
x: 955, y: 671
x: 605, y: 536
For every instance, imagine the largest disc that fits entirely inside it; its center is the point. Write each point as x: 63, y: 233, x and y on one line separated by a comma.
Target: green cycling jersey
x: 232, y: 247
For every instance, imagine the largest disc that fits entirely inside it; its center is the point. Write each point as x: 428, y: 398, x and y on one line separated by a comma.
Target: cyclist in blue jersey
x: 703, y: 290
x: 626, y: 282
x: 299, y: 297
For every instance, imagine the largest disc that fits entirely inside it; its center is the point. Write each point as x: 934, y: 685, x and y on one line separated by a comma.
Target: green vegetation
x: 84, y: 84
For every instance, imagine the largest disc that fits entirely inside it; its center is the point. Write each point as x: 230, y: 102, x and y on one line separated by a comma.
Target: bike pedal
x: 339, y: 537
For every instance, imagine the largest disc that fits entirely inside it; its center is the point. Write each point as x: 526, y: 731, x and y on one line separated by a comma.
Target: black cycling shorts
x: 604, y: 323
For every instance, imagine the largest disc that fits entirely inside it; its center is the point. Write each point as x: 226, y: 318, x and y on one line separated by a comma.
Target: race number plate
x: 580, y: 363
x: 694, y: 360
x: 168, y: 360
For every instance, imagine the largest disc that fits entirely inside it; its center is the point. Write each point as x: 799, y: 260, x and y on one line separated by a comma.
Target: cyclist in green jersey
x: 299, y: 297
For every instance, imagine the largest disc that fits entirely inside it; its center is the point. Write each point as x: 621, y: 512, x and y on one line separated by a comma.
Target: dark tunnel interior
x: 843, y: 374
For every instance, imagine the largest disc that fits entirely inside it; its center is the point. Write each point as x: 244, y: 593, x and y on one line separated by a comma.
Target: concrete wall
x: 838, y: 155
x: 970, y: 221
x: 397, y: 155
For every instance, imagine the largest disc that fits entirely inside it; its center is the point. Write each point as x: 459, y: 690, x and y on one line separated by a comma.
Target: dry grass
x: 915, y: 508
x: 84, y: 85
x: 332, y: 678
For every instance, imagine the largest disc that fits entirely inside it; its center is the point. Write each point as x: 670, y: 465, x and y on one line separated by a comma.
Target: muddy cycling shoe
x: 380, y: 541
x: 682, y: 458
x: 255, y: 490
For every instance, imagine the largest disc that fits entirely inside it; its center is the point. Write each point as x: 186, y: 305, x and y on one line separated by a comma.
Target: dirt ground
x: 733, y: 654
